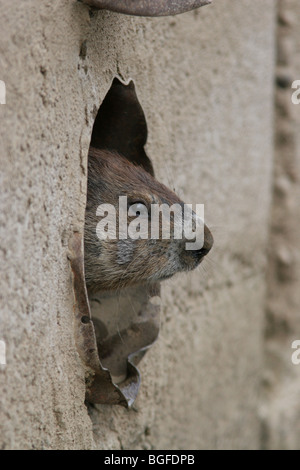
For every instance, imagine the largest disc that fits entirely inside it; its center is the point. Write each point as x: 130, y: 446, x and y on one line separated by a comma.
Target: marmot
x: 116, y: 263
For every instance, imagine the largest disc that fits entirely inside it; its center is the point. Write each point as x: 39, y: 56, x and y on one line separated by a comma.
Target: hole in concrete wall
x: 123, y: 324
x: 114, y: 327
x: 117, y: 298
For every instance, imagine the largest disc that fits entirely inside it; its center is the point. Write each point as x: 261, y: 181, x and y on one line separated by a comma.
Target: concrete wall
x: 281, y: 410
x: 205, y: 81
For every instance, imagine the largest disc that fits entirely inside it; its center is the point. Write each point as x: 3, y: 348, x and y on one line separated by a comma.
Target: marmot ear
x: 120, y: 125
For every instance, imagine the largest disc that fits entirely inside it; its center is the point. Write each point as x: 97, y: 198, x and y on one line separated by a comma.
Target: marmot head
x: 129, y: 246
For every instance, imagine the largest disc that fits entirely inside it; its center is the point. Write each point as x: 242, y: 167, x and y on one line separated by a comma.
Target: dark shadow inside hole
x: 120, y: 125
x: 85, y: 319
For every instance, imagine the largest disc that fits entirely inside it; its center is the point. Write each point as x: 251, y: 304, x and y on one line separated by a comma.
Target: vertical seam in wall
x: 278, y: 325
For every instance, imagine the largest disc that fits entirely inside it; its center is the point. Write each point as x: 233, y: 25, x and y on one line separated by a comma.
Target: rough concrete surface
x: 281, y: 410
x: 205, y: 81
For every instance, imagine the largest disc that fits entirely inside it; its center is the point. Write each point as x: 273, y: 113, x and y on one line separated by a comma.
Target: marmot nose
x: 207, y: 245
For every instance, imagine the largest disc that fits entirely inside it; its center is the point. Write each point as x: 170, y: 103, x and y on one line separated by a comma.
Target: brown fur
x: 113, y: 264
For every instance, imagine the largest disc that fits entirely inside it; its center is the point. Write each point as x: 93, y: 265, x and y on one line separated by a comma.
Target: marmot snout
x: 115, y: 263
